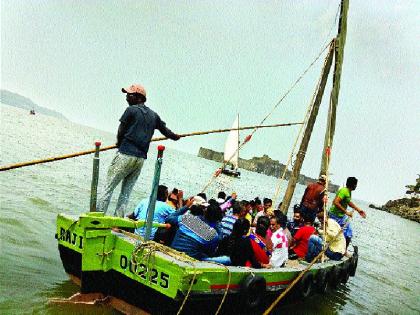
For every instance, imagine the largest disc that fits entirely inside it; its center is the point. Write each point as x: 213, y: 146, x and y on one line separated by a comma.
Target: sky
x: 202, y: 62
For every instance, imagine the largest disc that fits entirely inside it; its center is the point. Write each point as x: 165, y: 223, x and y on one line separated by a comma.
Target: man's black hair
x: 296, y: 208
x: 307, y: 218
x: 197, y: 210
x: 221, y: 195
x: 257, y: 201
x: 281, y: 219
x: 142, y: 98
x: 162, y: 193
x: 244, y: 203
x: 267, y: 200
x: 203, y: 195
x: 252, y: 203
x: 240, y: 228
x: 263, y: 223
x: 236, y: 207
x: 351, y: 182
x: 213, y: 213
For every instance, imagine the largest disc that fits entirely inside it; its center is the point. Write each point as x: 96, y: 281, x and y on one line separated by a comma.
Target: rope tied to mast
x: 248, y: 138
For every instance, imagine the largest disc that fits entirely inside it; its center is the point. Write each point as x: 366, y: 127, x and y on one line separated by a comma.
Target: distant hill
x: 16, y: 100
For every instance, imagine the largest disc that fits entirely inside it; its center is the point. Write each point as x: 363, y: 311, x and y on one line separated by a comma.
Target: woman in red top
x: 258, y: 240
x: 301, y: 238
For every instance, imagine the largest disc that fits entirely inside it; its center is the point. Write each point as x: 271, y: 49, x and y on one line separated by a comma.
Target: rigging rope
x: 76, y: 154
x: 308, y: 111
x: 247, y: 138
x: 296, y: 280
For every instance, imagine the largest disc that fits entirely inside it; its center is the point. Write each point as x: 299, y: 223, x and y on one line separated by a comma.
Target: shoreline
x: 407, y: 208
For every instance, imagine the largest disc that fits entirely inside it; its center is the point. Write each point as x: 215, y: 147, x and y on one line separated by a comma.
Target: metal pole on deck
x: 95, y: 178
x: 153, y: 195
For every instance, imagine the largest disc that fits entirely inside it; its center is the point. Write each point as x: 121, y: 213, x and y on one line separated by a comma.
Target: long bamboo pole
x: 76, y: 154
x: 308, y: 131
x: 338, y: 65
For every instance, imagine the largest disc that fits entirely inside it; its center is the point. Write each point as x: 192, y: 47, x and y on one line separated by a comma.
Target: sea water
x: 387, y: 279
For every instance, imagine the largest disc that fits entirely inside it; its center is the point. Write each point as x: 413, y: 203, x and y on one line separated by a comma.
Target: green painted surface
x: 104, y: 250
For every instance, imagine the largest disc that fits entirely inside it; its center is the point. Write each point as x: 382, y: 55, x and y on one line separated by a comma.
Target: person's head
x: 308, y: 219
x: 234, y: 195
x: 244, y: 210
x: 252, y: 204
x: 136, y: 94
x: 198, y: 205
x: 320, y: 215
x: 282, y: 219
x: 221, y: 195
x: 267, y: 203
x: 173, y: 196
x: 263, y: 223
x: 213, y: 213
x: 351, y: 183
x: 162, y: 193
x: 275, y: 223
x: 236, y: 208
x: 240, y: 228
x: 322, y: 179
x: 297, y: 217
x: 258, y: 204
x: 202, y: 195
x: 197, y: 210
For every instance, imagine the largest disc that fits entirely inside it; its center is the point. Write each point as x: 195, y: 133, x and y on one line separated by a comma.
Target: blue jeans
x: 315, y: 247
x: 224, y: 260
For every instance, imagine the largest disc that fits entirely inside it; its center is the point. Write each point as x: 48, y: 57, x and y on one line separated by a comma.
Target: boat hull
x: 149, y: 275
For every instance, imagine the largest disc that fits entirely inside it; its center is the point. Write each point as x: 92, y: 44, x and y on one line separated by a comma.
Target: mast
x: 339, y: 55
x: 308, y: 130
x: 239, y: 143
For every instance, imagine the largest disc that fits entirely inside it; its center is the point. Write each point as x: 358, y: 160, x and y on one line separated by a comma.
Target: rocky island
x: 408, y: 207
x: 264, y: 165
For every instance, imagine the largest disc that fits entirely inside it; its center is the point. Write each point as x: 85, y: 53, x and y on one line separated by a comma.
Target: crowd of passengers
x: 236, y: 232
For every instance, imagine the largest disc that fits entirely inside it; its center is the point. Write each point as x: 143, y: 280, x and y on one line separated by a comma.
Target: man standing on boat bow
x: 339, y: 212
x: 135, y: 132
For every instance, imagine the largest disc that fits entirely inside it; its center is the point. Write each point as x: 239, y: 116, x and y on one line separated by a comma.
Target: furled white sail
x: 231, y: 145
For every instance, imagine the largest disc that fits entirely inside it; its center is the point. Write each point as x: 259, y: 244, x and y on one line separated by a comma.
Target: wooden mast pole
x: 308, y: 130
x: 338, y: 64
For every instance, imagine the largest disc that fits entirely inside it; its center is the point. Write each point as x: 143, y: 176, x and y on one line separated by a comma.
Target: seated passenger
x: 162, y: 211
x: 175, y: 198
x: 266, y: 211
x: 258, y: 241
x: 300, y: 245
x: 244, y: 204
x: 229, y: 219
x: 294, y: 225
x: 333, y: 235
x: 195, y: 236
x: 237, y: 246
x: 229, y: 202
x: 279, y: 254
x: 221, y: 197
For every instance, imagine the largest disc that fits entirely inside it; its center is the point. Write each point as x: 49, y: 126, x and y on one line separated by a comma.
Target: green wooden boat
x: 111, y: 261
x: 99, y: 254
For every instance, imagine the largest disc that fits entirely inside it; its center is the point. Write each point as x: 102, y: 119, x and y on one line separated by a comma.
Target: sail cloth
x: 231, y: 146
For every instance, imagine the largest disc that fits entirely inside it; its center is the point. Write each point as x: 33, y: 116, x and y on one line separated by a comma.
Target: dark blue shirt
x: 138, y: 124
